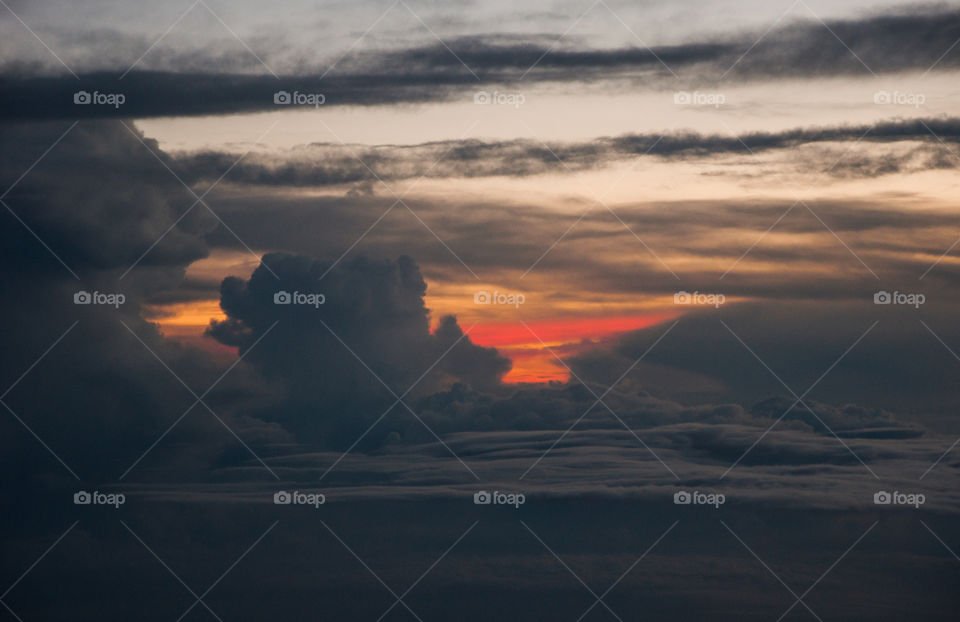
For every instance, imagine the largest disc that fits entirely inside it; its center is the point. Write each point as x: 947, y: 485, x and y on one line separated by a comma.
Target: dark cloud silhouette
x: 370, y: 326
x: 97, y: 201
x: 898, y: 364
x: 880, y: 44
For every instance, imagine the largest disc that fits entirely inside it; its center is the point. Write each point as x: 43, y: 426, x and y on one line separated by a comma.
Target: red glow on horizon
x: 533, y: 362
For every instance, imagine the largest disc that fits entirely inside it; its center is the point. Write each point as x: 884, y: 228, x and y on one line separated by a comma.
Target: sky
x: 402, y: 309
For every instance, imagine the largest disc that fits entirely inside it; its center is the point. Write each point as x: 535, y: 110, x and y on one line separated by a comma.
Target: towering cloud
x: 86, y: 203
x: 345, y: 340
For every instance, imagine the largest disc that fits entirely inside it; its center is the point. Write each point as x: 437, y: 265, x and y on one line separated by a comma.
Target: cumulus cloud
x: 365, y: 327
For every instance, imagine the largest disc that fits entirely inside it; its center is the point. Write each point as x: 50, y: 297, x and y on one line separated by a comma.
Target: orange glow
x: 185, y: 323
x: 185, y: 317
x: 533, y: 362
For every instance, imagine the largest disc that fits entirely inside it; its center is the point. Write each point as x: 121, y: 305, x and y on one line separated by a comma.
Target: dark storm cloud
x: 371, y: 314
x: 322, y: 164
x: 98, y: 198
x: 97, y: 201
x: 150, y: 94
x: 898, y: 364
x: 880, y: 44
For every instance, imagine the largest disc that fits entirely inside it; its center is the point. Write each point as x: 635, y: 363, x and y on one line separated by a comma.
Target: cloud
x: 366, y: 327
x: 98, y: 198
x: 894, y: 365
x: 102, y: 389
x: 326, y: 164
x: 300, y: 396
x: 880, y: 44
x: 80, y: 378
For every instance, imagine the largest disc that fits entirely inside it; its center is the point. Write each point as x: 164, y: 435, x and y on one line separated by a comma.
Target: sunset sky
x: 402, y: 253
